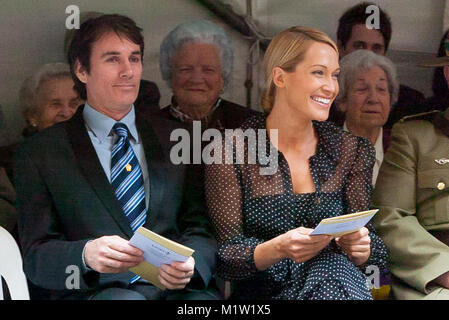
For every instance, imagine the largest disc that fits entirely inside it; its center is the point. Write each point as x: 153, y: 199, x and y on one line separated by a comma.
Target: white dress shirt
x: 99, y: 128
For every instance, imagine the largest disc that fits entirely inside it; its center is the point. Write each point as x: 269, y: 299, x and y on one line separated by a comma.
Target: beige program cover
x: 341, y: 225
x: 158, y: 250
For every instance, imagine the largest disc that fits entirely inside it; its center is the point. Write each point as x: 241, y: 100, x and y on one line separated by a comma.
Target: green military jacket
x: 412, y: 193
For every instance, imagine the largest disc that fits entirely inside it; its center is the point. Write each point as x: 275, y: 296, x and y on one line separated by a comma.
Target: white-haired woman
x: 368, y: 88
x: 196, y: 60
x: 48, y: 97
x: 45, y: 98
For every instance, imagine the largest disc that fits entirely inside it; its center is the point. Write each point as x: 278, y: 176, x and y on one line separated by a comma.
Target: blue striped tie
x: 127, y: 180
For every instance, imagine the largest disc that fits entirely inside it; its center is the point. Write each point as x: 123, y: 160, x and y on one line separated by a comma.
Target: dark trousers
x: 143, y: 291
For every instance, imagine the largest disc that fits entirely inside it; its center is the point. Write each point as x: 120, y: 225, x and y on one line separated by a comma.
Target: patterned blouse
x: 248, y: 208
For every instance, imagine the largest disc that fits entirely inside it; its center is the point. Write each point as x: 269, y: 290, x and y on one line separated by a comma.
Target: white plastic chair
x: 11, y: 268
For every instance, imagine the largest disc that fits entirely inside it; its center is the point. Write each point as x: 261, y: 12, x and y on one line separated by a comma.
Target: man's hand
x: 177, y: 275
x: 111, y: 254
x: 356, y: 245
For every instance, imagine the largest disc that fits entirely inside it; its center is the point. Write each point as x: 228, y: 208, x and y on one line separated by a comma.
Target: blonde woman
x: 263, y: 222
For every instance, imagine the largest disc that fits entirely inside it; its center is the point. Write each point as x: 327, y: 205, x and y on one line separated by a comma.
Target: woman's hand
x: 356, y: 245
x: 299, y: 246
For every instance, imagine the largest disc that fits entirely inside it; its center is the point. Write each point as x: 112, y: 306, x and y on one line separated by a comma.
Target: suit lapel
x: 93, y: 171
x: 155, y: 158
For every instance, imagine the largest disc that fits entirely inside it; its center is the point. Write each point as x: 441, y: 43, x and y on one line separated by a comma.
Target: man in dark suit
x: 85, y: 185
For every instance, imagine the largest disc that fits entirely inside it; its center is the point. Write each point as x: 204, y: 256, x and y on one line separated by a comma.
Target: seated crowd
x: 342, y: 133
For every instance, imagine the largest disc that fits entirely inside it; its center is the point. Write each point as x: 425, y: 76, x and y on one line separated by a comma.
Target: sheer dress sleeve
x: 358, y: 192
x: 224, y: 200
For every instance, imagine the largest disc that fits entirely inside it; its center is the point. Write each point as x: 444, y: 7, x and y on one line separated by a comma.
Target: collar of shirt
x: 101, y: 125
x: 378, y: 146
x: 177, y: 113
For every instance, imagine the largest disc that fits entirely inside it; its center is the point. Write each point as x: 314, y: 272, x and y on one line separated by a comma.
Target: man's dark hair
x: 91, y: 31
x: 357, y: 15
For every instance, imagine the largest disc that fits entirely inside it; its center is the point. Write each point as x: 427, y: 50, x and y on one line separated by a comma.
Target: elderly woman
x: 368, y: 88
x: 264, y: 222
x: 196, y: 61
x: 48, y: 97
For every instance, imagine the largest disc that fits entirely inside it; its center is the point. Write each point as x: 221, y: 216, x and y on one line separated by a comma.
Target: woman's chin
x: 322, y: 116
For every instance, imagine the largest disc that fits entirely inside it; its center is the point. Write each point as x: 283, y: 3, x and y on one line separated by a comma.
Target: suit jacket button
x: 441, y: 185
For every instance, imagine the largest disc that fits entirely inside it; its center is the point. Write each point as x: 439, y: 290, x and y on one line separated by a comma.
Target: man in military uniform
x: 412, y: 193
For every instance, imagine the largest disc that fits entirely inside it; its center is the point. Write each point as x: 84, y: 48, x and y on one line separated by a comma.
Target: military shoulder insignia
x: 442, y: 161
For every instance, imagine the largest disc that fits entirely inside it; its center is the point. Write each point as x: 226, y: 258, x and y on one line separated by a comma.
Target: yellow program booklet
x: 341, y: 225
x: 158, y: 250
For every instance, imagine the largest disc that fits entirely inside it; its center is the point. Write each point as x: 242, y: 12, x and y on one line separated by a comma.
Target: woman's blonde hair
x: 285, y: 51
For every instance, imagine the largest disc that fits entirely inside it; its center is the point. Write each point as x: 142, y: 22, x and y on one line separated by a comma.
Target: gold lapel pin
x: 128, y: 167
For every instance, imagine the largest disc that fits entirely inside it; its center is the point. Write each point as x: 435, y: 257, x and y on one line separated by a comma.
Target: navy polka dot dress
x: 248, y: 208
